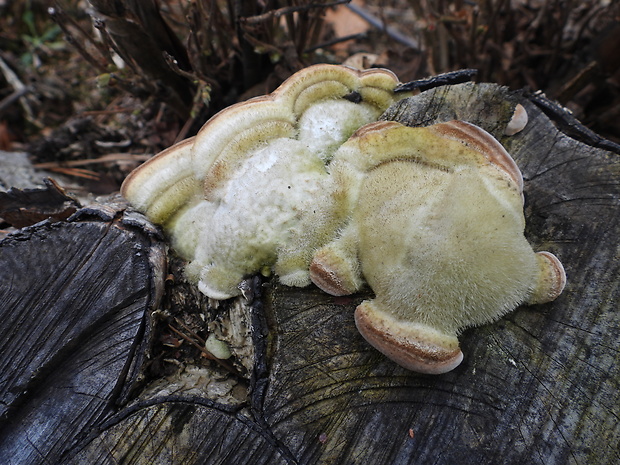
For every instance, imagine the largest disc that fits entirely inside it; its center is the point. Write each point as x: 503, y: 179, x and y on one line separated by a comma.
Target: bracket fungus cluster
x: 307, y: 183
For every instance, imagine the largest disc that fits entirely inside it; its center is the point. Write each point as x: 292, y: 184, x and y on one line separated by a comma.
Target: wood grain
x: 74, y: 297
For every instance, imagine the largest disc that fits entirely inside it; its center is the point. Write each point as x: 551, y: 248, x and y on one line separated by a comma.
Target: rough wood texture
x: 540, y: 386
x: 180, y: 431
x: 74, y: 297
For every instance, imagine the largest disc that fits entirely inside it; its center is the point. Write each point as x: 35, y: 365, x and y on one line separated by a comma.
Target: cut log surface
x: 73, y: 302
x: 177, y: 431
x: 539, y: 386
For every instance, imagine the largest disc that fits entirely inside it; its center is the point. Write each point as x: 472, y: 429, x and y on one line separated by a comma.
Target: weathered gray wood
x: 74, y: 297
x: 182, y: 432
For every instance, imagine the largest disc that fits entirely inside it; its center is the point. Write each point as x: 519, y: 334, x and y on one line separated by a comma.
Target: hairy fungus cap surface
x: 436, y: 230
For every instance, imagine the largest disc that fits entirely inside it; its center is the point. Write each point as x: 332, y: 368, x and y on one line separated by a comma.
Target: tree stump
x: 539, y: 386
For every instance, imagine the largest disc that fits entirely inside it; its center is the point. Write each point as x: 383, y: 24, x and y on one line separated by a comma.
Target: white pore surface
x: 278, y: 191
x: 325, y: 126
x: 275, y: 206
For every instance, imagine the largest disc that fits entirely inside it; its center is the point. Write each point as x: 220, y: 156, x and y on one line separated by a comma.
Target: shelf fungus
x: 307, y: 183
x: 251, y: 191
x: 436, y: 230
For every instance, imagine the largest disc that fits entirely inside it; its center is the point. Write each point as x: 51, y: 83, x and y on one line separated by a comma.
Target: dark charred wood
x: 74, y: 297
